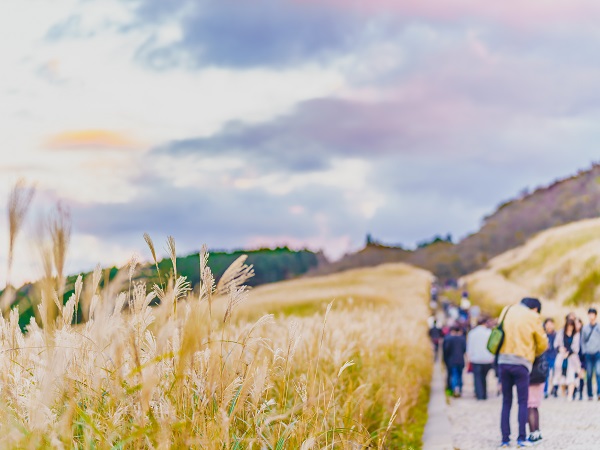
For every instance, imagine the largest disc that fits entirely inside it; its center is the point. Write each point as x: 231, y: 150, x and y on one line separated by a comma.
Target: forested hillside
x: 270, y: 265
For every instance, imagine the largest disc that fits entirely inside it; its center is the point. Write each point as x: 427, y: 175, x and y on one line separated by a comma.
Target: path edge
x: 438, y: 430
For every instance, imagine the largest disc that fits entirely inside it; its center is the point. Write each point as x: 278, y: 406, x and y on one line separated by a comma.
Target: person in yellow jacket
x: 524, y: 340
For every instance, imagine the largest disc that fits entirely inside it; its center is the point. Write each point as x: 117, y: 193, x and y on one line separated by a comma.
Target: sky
x: 243, y: 124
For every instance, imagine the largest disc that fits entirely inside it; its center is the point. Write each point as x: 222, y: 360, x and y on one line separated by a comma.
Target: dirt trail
x: 565, y: 425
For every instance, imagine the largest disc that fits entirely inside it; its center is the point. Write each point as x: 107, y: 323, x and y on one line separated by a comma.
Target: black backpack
x: 540, y: 370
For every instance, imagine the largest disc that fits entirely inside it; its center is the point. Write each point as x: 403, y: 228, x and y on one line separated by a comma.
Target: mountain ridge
x: 570, y: 199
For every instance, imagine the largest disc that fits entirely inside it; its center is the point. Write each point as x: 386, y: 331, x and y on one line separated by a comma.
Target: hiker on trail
x: 464, y: 308
x: 524, y: 340
x: 551, y: 357
x: 591, y: 352
x: 454, y: 349
x: 567, y: 361
x: 434, y: 291
x: 433, y: 301
x: 479, y: 356
x: 580, y: 375
x: 474, y: 315
x: 436, y: 335
x: 453, y: 312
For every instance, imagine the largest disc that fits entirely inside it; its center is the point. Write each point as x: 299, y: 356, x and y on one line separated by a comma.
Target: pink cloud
x: 509, y: 12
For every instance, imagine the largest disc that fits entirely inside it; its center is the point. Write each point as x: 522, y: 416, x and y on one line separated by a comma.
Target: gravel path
x: 564, y: 425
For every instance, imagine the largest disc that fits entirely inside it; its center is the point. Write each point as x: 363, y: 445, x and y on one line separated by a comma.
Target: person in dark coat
x: 454, y: 349
x: 436, y: 335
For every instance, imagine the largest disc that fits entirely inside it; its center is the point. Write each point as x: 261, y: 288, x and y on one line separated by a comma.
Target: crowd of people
x: 534, y: 357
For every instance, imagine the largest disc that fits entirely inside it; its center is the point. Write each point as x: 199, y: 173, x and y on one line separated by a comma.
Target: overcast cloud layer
x: 300, y: 122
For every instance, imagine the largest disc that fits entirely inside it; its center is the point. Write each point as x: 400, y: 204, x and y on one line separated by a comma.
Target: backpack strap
x: 501, y: 325
x: 501, y: 328
x: 587, y: 338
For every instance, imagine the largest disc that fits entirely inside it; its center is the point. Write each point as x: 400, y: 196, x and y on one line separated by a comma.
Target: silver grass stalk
x: 172, y: 253
x: 236, y: 275
x: 150, y: 244
x: 19, y: 201
x: 59, y: 226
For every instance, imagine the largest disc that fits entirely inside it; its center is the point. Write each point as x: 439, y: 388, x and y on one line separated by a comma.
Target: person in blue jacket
x: 454, y: 349
x: 550, y: 329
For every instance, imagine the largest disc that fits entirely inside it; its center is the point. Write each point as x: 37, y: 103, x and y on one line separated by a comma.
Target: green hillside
x: 270, y: 265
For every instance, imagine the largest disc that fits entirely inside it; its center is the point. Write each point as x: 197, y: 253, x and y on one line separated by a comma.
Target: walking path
x: 475, y: 425
x: 438, y: 431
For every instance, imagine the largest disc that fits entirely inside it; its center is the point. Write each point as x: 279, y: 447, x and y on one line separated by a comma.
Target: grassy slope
x: 397, y: 292
x: 354, y: 375
x: 560, y: 265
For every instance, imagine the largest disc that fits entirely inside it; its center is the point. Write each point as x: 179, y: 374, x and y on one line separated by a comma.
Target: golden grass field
x: 560, y: 266
x: 341, y: 361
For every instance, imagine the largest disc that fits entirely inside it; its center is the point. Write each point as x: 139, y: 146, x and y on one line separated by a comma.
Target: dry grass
x: 561, y: 266
x: 19, y: 201
x: 392, y: 284
x: 492, y: 292
x: 203, y: 370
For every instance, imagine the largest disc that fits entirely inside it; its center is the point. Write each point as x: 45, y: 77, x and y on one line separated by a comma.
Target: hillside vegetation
x: 511, y: 225
x: 560, y: 265
x: 370, y: 256
x: 569, y: 200
x: 206, y: 369
x: 270, y: 265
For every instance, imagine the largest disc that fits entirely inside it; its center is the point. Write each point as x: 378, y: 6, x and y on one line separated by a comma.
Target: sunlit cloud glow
x: 91, y: 140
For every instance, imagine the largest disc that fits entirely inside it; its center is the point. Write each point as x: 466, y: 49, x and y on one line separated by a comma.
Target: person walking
x: 590, y: 340
x: 524, y: 340
x: 479, y: 356
x: 567, y: 363
x: 454, y: 349
x: 435, y: 334
x: 551, y: 353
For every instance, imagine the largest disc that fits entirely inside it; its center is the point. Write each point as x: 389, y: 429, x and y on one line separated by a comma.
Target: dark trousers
x: 480, y: 372
x: 550, y: 377
x: 456, y: 377
x: 514, y: 375
x: 592, y: 364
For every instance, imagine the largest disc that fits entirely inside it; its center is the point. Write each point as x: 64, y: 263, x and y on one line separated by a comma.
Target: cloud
x: 280, y: 33
x: 50, y: 71
x: 301, y: 121
x: 71, y: 27
x: 308, y: 137
x: 223, y: 217
x: 509, y: 13
x: 247, y: 34
x: 91, y: 139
